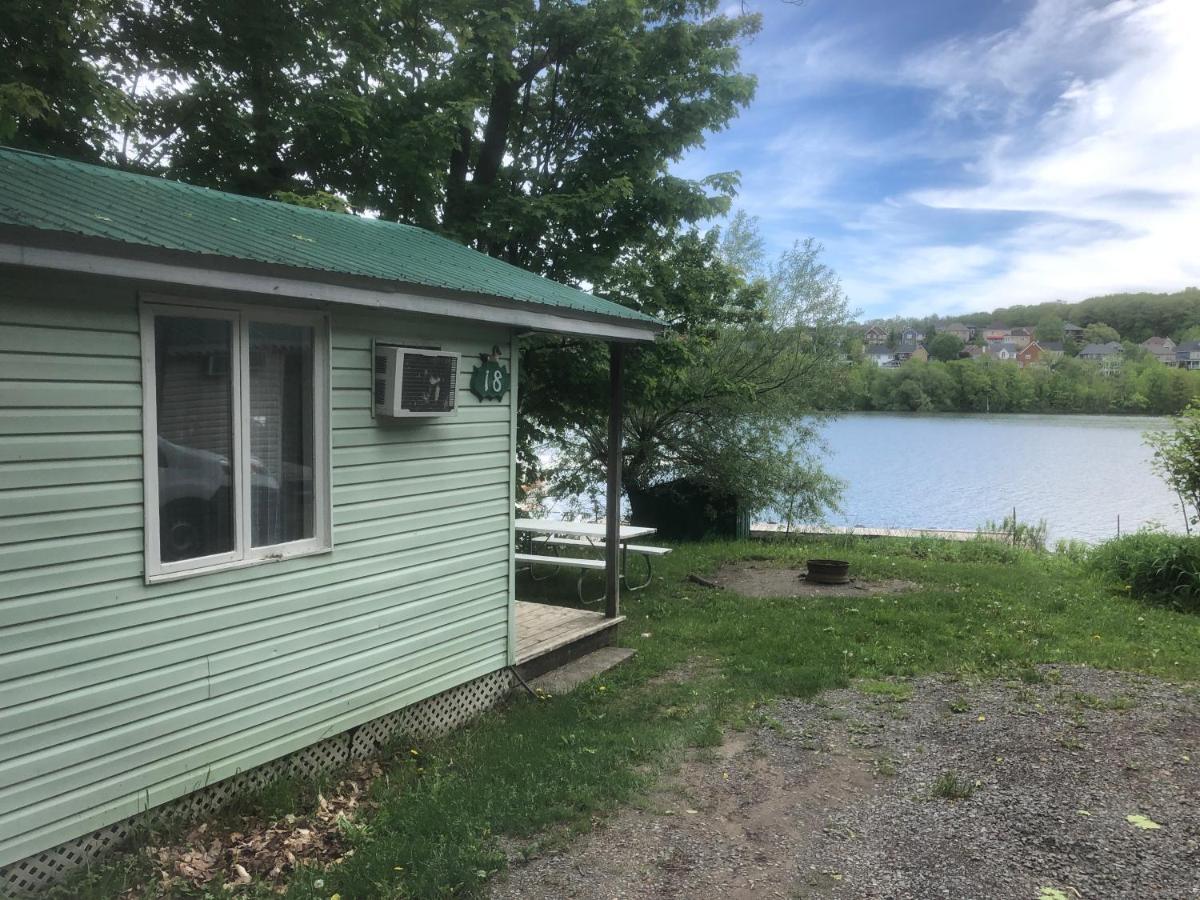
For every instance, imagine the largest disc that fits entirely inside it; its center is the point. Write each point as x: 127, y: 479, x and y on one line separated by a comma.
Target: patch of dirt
x: 695, y: 667
x: 751, y: 580
x: 715, y: 829
x: 913, y: 789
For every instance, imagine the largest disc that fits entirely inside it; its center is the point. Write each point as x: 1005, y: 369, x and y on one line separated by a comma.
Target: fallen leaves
x: 1139, y: 821
x: 240, y: 876
x: 271, y: 850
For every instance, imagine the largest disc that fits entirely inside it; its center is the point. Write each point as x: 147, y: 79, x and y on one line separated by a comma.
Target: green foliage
x: 61, y: 82
x: 1141, y: 385
x: 718, y: 401
x: 1161, y: 568
x: 506, y: 125
x: 980, y: 549
x: 1135, y: 317
x: 1074, y: 550
x: 1099, y: 333
x: 944, y: 347
x: 1049, y: 328
x: 951, y: 786
x: 314, y: 200
x: 540, y: 133
x: 1025, y: 535
x: 1177, y: 460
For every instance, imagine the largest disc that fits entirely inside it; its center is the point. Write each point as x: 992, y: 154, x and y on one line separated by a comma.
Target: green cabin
x: 256, y: 482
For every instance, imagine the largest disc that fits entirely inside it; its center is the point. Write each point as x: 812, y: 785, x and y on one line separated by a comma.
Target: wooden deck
x: 543, y: 629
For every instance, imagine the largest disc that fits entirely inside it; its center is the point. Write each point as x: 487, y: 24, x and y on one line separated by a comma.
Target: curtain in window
x: 281, y: 433
x: 195, y: 436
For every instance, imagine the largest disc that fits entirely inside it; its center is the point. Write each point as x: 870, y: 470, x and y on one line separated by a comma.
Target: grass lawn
x: 534, y: 772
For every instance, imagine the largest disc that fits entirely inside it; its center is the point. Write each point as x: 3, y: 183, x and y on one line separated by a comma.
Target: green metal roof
x: 59, y: 195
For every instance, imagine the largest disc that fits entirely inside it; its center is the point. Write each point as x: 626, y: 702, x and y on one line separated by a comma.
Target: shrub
x: 1162, y: 568
x: 980, y: 549
x: 1021, y: 534
x: 1076, y: 551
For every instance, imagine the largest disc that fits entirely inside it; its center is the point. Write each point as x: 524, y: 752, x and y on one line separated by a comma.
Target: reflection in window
x: 195, y: 436
x: 281, y: 433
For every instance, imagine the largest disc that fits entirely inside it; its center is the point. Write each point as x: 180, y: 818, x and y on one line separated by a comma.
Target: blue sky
x: 958, y: 155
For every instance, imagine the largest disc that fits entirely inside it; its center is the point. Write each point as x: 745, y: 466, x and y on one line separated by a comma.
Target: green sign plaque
x: 490, y: 380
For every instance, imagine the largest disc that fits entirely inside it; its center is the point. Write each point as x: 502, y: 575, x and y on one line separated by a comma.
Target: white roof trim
x: 283, y: 286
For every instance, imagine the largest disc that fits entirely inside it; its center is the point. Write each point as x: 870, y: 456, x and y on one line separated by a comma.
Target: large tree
x: 944, y: 346
x: 539, y: 132
x: 543, y: 132
x: 61, y: 81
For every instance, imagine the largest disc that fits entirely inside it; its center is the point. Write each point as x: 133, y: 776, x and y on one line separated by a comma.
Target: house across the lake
x: 1021, y: 336
x: 875, y: 335
x: 1029, y: 355
x: 964, y: 333
x: 256, y: 489
x: 882, y: 355
x: 1187, y: 355
x: 1108, y: 355
x: 1051, y: 350
x: 1162, y: 348
x: 1003, y: 350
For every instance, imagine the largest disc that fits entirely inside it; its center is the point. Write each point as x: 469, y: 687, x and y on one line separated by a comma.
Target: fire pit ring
x: 828, y: 571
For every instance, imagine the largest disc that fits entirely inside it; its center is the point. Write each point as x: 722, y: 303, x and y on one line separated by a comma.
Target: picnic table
x: 553, y: 534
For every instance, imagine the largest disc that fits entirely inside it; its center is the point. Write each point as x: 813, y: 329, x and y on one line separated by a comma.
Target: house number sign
x: 490, y: 380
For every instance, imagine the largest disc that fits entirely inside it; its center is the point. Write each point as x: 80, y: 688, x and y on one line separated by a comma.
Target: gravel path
x: 919, y: 789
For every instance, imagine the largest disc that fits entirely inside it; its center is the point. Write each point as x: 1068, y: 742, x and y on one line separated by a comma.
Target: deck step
x: 566, y: 678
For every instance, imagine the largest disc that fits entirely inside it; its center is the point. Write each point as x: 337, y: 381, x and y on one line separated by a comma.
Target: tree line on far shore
x: 1132, y: 317
x: 1138, y: 384
x: 1141, y: 384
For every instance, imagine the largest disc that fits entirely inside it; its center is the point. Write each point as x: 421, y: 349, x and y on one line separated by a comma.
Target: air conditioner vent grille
x: 428, y: 383
x: 414, y: 382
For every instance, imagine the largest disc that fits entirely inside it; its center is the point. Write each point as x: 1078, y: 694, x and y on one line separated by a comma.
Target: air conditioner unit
x: 411, y: 382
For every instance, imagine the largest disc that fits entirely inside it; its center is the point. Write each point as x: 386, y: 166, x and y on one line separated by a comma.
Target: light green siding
x: 115, y: 694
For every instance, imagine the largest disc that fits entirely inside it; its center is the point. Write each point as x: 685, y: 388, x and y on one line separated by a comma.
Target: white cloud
x: 1059, y: 157
x: 1095, y: 142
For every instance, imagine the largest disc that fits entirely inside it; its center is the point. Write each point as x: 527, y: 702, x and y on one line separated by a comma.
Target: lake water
x: 945, y: 471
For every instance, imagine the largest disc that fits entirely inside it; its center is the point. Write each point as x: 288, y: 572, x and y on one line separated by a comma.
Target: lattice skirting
x: 437, y: 715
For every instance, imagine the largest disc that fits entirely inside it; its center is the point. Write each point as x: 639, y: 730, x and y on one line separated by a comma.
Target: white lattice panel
x: 439, y: 714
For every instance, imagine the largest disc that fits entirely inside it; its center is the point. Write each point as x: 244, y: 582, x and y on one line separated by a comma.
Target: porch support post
x: 612, y: 507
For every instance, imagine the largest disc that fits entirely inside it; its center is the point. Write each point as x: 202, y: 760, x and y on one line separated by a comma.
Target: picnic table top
x: 580, y: 529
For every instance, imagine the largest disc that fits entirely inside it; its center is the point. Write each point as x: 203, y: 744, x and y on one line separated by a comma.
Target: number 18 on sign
x: 490, y: 380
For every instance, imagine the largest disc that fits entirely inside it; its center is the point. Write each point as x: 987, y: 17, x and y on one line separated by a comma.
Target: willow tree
x: 1177, y: 461
x: 729, y: 399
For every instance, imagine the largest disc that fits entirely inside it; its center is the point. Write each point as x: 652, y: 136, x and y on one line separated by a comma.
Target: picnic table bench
x: 551, y: 535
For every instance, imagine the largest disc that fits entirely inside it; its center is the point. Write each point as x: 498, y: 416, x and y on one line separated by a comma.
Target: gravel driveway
x: 1072, y: 783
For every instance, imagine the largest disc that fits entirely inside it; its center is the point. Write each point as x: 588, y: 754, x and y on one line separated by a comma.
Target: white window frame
x: 243, y: 553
